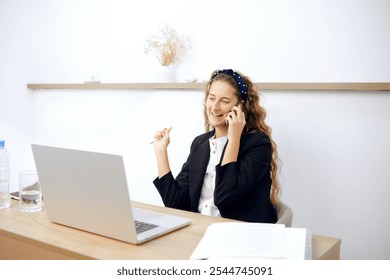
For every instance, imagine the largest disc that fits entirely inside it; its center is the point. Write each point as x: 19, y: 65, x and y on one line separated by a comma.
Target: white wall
x: 22, y: 48
x: 121, y: 122
x: 333, y: 144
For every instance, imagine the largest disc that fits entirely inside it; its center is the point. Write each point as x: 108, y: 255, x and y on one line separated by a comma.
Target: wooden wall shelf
x: 197, y: 86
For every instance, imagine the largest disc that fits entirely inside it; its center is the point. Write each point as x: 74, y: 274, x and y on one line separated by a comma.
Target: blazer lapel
x: 197, y: 170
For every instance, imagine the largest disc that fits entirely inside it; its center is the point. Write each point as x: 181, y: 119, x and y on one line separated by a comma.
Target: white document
x: 241, y: 240
x: 297, y: 242
x: 253, y: 241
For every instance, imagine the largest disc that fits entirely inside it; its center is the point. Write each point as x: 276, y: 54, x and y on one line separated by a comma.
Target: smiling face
x: 221, y: 99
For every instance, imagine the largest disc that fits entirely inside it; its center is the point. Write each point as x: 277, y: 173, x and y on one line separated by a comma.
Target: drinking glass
x: 29, y: 191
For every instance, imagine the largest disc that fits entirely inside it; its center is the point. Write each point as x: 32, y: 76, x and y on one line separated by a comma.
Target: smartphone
x: 14, y: 195
x: 239, y: 105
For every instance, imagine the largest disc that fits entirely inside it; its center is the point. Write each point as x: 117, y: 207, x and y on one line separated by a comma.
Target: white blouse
x: 206, y: 201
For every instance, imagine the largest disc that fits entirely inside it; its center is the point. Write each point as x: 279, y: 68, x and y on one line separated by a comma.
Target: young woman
x: 231, y: 170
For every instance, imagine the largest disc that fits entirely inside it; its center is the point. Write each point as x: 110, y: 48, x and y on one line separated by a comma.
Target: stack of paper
x: 253, y: 240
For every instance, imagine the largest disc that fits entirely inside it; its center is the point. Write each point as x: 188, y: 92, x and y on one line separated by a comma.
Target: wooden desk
x: 31, y: 236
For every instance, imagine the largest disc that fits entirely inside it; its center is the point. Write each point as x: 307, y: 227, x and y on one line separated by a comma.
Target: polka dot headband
x: 242, y: 86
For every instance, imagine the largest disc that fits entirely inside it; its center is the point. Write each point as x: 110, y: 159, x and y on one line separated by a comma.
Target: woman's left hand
x: 236, y: 123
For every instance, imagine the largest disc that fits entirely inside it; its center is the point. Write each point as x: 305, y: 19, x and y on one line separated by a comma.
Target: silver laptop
x: 88, y: 191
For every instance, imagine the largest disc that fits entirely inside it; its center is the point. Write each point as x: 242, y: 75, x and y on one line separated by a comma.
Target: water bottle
x: 5, y: 201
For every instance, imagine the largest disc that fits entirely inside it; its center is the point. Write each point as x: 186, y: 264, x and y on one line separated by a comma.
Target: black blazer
x: 242, y: 188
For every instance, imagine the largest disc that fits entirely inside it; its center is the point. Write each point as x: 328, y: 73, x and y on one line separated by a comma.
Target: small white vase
x: 168, y: 74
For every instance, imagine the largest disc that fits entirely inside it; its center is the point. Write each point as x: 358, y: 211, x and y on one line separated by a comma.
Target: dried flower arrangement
x: 166, y: 45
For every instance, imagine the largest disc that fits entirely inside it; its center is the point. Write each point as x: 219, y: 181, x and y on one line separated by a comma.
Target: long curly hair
x: 255, y: 121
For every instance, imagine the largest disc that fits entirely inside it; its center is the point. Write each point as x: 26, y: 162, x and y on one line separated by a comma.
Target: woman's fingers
x: 158, y: 135
x: 166, y: 131
x: 238, y: 112
x: 236, y: 115
x: 161, y: 133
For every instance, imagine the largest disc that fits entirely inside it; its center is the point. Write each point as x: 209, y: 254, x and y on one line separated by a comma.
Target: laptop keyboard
x: 142, y: 226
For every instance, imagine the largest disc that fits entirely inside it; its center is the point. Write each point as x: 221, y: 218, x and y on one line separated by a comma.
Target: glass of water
x: 29, y: 191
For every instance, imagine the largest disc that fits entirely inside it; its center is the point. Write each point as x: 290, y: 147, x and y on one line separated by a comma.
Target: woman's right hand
x: 161, y: 139
x: 160, y: 144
